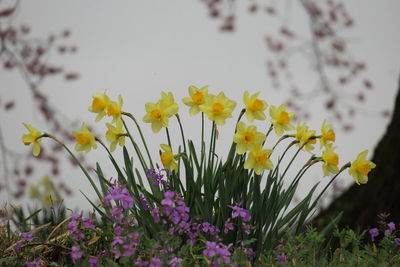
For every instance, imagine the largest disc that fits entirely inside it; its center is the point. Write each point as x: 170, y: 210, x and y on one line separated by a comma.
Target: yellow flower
x: 254, y: 106
x: 99, y: 105
x: 331, y: 160
x: 218, y: 108
x: 360, y: 168
x: 258, y: 160
x: 115, y: 135
x: 281, y: 119
x: 34, y: 192
x: 327, y: 134
x: 167, y: 158
x: 167, y: 102
x: 34, y: 136
x: 85, y: 140
x: 247, y: 138
x: 114, y: 109
x: 303, y: 134
x: 157, y: 115
x: 196, y: 99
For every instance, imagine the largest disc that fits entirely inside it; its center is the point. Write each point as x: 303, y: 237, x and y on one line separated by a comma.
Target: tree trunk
x: 361, y: 203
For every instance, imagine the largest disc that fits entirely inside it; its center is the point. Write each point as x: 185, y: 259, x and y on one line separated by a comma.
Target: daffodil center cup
x: 113, y: 109
x: 363, y: 168
x: 330, y: 136
x: 283, y: 118
x: 156, y: 114
x: 331, y: 159
x: 217, y: 109
x: 83, y: 138
x: 257, y: 105
x: 166, y: 159
x: 261, y: 159
x: 248, y: 138
x: 198, y: 98
x: 98, y: 104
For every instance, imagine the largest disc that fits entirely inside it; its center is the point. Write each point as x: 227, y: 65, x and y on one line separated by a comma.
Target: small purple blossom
x: 76, y: 253
x: 175, y: 262
x: 27, y: 237
x: 87, y: 223
x: 240, y: 212
x: 218, y: 253
x: 282, y: 257
x: 120, y: 194
x: 373, y: 232
x: 94, y: 262
x: 397, y: 241
x: 391, y: 227
x: 155, y: 262
x: 35, y: 263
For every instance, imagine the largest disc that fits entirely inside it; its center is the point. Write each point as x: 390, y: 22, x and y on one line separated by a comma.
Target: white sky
x: 138, y: 48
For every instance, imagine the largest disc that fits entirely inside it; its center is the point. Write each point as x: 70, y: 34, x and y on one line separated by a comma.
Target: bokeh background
x: 139, y: 48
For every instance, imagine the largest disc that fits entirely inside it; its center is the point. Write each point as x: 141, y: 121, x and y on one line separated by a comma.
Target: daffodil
x: 281, y: 119
x: 33, y: 137
x: 85, y: 140
x: 167, y: 102
x: 99, y: 104
x: 330, y: 159
x: 167, y: 158
x: 247, y: 138
x: 258, y: 160
x: 196, y: 99
x: 115, y: 134
x: 114, y: 109
x: 254, y: 106
x: 157, y: 115
x: 34, y: 192
x: 218, y: 108
x: 303, y: 134
x: 327, y: 134
x: 360, y: 168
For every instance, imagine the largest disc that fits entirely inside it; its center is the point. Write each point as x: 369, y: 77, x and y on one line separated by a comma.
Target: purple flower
x: 210, y: 249
x: 145, y: 205
x: 87, y: 222
x: 391, y: 227
x: 76, y: 253
x: 94, y: 262
x: 119, y: 193
x: 240, y: 212
x: 228, y: 226
x: 155, y: 262
x: 282, y: 257
x: 397, y: 241
x: 35, y: 263
x: 27, y: 237
x: 142, y: 263
x: 374, y: 232
x: 175, y: 262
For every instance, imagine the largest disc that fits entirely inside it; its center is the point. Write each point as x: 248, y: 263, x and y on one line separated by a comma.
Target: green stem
x: 202, y: 142
x: 182, y: 134
x: 77, y: 162
x: 141, y: 136
x: 135, y: 146
x: 168, y: 137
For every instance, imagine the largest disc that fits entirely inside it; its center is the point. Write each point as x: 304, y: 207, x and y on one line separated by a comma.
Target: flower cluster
x: 123, y: 200
x: 217, y: 253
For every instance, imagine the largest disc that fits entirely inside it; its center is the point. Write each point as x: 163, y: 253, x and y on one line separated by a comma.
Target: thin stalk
x: 202, y: 142
x: 135, y: 146
x: 168, y: 137
x: 77, y: 162
x: 239, y: 118
x: 141, y: 136
x: 182, y: 134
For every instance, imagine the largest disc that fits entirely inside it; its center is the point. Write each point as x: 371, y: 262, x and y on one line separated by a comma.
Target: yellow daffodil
x: 258, y: 160
x: 167, y: 158
x: 99, y: 105
x: 327, y: 134
x: 85, y: 140
x: 115, y: 134
x: 254, y: 106
x: 360, y: 168
x: 33, y: 137
x: 218, y: 108
x: 167, y: 102
x: 303, y: 134
x: 157, y: 115
x: 34, y: 192
x: 330, y: 159
x: 114, y: 109
x: 196, y: 99
x: 247, y: 138
x: 281, y: 119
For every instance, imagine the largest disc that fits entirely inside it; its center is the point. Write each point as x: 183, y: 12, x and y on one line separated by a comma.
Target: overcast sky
x: 138, y: 48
